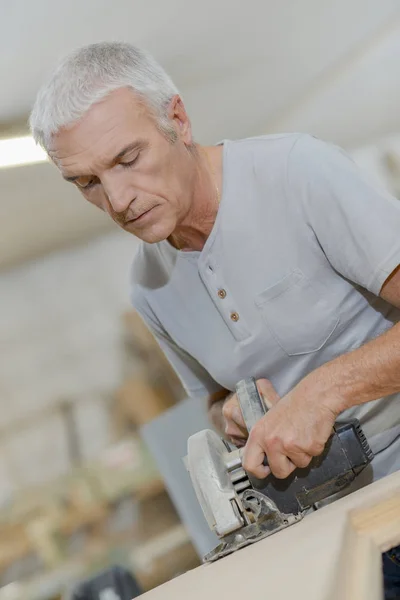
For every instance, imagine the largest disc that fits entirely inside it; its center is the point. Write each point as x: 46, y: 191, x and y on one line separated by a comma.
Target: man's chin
x: 150, y: 237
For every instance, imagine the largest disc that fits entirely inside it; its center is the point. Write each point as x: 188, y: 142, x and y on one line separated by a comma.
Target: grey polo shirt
x: 288, y: 279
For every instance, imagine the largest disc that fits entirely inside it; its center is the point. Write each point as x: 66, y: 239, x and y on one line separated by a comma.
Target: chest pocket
x: 298, y: 316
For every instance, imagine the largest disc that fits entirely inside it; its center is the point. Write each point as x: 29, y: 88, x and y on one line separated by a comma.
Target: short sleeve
x: 195, y: 379
x: 356, y: 224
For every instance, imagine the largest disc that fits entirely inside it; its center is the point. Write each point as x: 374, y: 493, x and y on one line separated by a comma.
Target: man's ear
x: 178, y: 115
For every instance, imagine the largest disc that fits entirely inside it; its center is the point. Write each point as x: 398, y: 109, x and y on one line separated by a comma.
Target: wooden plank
x: 371, y: 531
x: 334, y: 553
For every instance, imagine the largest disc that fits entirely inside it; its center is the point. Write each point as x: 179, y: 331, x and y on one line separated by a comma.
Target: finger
x: 253, y: 458
x: 281, y: 466
x: 317, y: 448
x: 231, y: 412
x: 268, y: 392
x: 300, y: 459
x: 233, y: 429
x: 238, y: 417
x: 238, y: 442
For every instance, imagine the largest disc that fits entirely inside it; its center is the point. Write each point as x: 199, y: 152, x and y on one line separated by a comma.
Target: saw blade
x: 267, y: 521
x: 244, y: 538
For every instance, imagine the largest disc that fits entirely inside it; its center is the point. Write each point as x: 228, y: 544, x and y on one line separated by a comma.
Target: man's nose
x: 119, y: 196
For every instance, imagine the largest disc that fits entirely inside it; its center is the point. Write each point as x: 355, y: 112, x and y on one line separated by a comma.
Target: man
x: 271, y: 257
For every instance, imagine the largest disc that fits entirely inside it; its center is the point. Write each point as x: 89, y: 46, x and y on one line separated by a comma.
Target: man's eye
x: 126, y: 165
x: 89, y: 184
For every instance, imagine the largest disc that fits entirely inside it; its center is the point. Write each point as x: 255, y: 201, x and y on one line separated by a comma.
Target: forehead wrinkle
x: 86, y: 147
x: 103, y: 159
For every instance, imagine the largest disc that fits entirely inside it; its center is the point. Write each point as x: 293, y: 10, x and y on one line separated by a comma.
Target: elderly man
x: 272, y: 257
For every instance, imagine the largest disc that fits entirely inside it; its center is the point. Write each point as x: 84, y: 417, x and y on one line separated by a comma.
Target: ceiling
x: 330, y: 68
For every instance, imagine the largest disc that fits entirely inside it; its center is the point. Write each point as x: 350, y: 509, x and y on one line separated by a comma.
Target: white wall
x: 60, y: 340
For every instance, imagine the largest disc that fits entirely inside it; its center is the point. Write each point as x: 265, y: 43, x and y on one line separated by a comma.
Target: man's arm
x: 371, y: 371
x: 298, y: 426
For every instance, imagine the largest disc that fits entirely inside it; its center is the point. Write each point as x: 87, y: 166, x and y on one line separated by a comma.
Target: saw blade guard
x: 206, y: 462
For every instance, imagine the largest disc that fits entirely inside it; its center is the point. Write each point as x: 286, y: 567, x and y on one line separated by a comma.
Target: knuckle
x: 272, y: 442
x: 290, y: 444
x: 317, y: 448
x: 226, y: 411
x: 229, y: 405
x: 231, y: 428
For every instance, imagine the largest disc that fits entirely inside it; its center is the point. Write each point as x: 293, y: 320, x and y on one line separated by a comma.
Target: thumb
x: 268, y: 392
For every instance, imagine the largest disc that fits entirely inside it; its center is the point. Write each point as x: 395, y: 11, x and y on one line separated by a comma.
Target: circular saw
x: 241, y: 509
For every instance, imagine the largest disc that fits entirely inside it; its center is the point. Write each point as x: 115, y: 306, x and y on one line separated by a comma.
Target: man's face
x: 123, y: 164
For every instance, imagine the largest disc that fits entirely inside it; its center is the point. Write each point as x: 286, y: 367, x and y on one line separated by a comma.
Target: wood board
x: 332, y: 554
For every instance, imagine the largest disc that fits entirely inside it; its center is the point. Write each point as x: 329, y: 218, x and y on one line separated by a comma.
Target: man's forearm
x: 364, y: 374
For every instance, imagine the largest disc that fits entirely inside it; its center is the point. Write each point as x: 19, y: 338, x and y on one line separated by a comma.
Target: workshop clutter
x: 150, y: 384
x: 110, y: 511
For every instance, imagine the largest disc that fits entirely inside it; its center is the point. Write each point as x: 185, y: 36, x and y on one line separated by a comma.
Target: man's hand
x: 235, y: 428
x: 293, y: 431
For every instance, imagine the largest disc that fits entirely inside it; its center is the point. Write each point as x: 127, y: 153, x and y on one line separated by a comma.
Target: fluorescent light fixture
x: 15, y: 152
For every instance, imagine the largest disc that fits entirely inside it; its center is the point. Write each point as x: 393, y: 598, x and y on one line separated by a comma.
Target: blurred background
x: 90, y: 411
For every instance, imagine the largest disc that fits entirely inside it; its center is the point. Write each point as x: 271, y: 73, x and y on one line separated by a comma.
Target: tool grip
x: 250, y: 402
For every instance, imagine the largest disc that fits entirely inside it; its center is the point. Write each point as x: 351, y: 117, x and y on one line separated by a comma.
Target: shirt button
x: 234, y: 316
x: 222, y: 293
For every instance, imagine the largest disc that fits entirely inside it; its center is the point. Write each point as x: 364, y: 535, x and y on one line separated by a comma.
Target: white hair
x: 87, y: 75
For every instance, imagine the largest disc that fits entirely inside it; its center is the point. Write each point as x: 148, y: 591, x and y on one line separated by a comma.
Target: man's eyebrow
x: 129, y: 148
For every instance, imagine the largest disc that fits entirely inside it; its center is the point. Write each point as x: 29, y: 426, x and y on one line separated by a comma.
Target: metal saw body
x: 241, y: 509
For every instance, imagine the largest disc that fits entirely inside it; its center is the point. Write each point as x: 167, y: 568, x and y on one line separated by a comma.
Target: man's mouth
x: 139, y: 217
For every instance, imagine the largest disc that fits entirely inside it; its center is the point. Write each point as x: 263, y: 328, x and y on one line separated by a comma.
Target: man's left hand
x: 295, y: 429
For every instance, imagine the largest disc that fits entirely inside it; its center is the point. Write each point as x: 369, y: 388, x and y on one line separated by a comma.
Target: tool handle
x: 250, y: 401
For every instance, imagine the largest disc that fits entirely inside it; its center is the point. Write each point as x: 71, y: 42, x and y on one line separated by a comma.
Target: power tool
x: 242, y: 509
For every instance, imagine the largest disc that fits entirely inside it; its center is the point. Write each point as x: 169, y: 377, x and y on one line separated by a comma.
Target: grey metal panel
x: 166, y: 438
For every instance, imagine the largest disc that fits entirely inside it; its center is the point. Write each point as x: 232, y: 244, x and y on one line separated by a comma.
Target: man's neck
x: 197, y: 225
